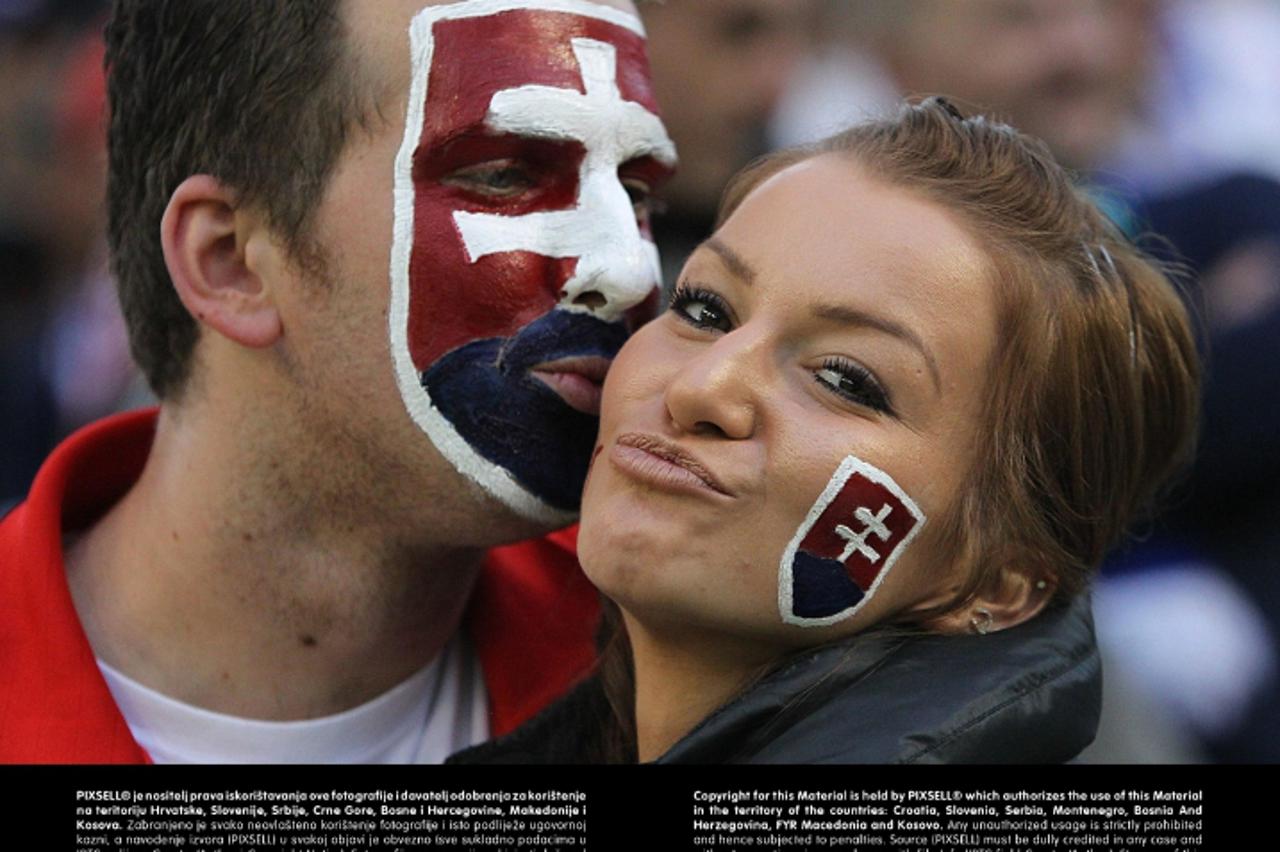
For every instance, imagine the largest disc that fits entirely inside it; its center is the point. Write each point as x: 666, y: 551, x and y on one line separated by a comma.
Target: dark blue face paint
x: 486, y: 392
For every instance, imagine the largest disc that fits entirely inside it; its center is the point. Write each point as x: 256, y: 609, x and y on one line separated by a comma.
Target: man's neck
x: 219, y: 582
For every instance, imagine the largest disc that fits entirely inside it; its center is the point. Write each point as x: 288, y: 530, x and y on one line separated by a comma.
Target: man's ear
x: 1013, y: 597
x: 207, y: 247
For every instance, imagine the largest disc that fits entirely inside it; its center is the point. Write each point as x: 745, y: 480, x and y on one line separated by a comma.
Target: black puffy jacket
x: 1029, y: 694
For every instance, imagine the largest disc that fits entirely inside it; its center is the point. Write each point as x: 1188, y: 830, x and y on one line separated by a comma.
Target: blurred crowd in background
x: 1168, y: 111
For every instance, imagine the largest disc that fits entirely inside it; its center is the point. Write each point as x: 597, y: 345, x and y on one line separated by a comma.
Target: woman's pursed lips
x: 663, y: 463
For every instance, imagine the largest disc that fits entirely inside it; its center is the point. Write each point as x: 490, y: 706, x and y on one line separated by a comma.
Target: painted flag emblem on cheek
x: 846, y: 545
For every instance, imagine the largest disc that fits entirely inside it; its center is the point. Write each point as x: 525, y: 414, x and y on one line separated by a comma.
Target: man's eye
x: 643, y: 201
x: 701, y: 308
x: 501, y: 179
x: 638, y: 191
x: 855, y: 383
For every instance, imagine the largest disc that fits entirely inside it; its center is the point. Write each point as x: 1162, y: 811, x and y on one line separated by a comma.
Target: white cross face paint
x: 845, y: 547
x: 615, y: 259
x: 520, y: 259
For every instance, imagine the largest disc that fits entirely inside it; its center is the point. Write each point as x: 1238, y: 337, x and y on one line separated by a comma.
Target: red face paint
x: 849, y: 541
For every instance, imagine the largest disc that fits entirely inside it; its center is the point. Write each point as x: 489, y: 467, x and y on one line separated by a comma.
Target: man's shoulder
x: 78, y: 482
x: 532, y: 619
x: 54, y: 705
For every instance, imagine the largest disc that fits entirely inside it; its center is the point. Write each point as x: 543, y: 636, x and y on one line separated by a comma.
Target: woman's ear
x: 206, y: 241
x: 1010, y: 599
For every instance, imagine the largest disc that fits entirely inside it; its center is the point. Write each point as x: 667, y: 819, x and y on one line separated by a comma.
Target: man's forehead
x: 379, y: 32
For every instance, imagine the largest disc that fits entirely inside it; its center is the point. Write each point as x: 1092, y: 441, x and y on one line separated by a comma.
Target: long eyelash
x: 670, y: 290
x: 685, y: 293
x: 869, y: 393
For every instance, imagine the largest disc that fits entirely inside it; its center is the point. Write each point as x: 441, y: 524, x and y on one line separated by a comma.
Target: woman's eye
x: 498, y: 179
x: 701, y: 309
x: 855, y: 383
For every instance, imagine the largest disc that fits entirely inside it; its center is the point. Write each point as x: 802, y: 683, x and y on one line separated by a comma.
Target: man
x: 375, y: 259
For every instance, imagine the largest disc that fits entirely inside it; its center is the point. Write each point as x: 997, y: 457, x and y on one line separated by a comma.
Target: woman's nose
x: 718, y: 392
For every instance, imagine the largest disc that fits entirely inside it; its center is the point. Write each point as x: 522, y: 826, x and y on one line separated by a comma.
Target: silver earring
x: 981, y: 621
x: 1041, y: 585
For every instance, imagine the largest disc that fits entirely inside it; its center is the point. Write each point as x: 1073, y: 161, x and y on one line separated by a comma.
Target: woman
x: 850, y: 487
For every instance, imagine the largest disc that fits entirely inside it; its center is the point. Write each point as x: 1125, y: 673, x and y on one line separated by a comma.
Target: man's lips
x: 660, y: 462
x: 577, y: 379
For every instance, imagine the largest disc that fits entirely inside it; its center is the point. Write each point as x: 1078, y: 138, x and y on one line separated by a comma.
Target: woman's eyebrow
x: 852, y: 316
x: 733, y: 261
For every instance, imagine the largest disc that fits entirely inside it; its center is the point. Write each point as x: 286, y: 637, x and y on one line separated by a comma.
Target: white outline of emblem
x: 848, y: 467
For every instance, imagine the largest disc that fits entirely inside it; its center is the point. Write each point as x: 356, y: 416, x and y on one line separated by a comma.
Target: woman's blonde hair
x: 1094, y: 392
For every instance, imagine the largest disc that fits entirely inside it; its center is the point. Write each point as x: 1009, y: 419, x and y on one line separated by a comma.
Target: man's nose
x: 718, y: 392
x: 621, y: 268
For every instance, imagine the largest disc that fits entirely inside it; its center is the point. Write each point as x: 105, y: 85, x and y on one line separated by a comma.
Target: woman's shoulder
x: 1029, y: 694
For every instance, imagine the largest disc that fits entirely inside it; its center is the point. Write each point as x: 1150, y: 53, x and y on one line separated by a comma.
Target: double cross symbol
x: 858, y: 540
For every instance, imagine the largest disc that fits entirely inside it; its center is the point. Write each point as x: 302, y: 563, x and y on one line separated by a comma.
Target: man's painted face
x: 522, y: 256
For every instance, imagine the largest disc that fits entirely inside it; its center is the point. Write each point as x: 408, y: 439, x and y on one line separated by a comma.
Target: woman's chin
x: 618, y: 529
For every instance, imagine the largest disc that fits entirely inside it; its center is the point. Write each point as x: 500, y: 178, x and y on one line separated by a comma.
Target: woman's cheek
x: 853, y: 534
x: 643, y: 357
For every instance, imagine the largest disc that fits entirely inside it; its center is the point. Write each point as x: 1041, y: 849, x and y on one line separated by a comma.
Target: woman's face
x: 831, y: 316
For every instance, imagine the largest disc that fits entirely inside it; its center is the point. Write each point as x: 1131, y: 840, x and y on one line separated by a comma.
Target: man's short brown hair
x: 257, y: 94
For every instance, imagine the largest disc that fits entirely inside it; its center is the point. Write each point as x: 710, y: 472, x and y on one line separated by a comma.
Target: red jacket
x: 531, y: 617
